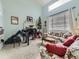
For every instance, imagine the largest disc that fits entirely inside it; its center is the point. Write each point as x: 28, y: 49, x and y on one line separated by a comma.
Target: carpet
x: 22, y: 52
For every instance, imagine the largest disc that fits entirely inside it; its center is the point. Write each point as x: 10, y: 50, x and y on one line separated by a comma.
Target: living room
x: 46, y: 16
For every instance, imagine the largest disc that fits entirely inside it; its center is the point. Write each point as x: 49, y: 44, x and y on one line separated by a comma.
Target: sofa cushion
x: 57, y: 49
x: 60, y: 50
x: 70, y: 40
x: 50, y: 48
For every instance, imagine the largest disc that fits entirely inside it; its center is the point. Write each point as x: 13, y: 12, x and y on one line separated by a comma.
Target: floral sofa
x: 72, y: 51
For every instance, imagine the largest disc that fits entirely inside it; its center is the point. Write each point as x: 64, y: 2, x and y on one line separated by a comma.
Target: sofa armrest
x: 57, y: 39
x: 74, y: 49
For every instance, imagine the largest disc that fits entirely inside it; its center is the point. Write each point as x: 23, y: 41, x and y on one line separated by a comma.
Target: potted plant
x: 39, y: 24
x: 39, y: 27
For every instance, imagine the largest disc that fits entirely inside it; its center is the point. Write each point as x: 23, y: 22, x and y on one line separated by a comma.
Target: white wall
x: 21, y: 9
x: 1, y: 24
x: 66, y: 6
x: 61, y: 8
x: 1, y: 15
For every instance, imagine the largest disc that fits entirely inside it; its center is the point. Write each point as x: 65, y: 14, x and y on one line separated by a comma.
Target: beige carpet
x: 22, y: 52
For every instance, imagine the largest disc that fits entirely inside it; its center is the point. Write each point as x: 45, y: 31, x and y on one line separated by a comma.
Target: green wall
x: 21, y: 9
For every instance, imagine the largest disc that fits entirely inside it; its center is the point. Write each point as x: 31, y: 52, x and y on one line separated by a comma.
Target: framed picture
x: 29, y: 18
x: 14, y: 20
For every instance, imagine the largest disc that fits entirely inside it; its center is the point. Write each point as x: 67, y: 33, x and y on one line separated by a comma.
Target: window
x: 57, y: 4
x: 60, y: 22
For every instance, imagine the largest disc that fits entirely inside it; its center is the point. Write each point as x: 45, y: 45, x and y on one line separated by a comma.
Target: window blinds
x: 60, y: 22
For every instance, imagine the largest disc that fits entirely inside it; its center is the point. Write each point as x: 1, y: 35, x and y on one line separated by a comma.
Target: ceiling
x: 44, y: 2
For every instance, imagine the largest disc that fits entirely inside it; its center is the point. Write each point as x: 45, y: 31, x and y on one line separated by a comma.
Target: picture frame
x: 14, y: 20
x: 29, y: 19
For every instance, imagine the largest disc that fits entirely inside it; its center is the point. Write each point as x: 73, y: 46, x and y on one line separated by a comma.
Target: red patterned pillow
x: 50, y: 48
x: 60, y: 50
x: 57, y: 49
x: 70, y: 40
